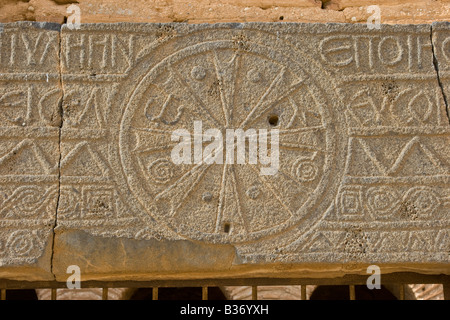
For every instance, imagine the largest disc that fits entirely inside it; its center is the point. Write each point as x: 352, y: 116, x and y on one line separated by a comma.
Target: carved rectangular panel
x: 355, y: 170
x: 30, y: 95
x: 364, y: 148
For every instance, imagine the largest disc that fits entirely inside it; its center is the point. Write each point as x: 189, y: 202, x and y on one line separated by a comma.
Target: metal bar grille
x: 204, y: 293
x: 402, y: 292
x: 447, y: 291
x: 352, y: 292
x: 105, y: 294
x: 254, y: 292
x: 54, y: 293
x: 303, y: 292
x: 399, y: 279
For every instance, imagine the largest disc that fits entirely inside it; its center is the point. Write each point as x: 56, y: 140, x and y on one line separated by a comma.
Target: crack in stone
x: 436, y: 68
x: 60, y: 109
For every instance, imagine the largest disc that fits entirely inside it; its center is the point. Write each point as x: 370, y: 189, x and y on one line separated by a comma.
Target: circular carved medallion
x: 205, y: 89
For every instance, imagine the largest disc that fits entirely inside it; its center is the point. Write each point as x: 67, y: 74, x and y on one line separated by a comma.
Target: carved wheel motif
x: 229, y: 84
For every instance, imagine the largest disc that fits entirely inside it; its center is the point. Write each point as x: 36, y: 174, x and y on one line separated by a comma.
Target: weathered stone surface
x: 342, y: 4
x: 29, y: 147
x: 121, y: 257
x: 364, y: 151
x: 214, y: 11
x: 411, y: 13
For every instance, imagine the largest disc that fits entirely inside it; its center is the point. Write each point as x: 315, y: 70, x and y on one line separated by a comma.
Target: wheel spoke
x: 264, y: 103
x: 227, y: 78
x: 203, y: 111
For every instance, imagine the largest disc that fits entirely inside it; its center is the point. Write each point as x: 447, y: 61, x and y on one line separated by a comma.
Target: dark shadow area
x: 343, y: 293
x: 182, y: 293
x: 22, y: 294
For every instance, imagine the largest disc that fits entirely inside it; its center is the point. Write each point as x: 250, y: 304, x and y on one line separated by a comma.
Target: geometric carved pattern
x: 408, y: 154
x: 388, y: 203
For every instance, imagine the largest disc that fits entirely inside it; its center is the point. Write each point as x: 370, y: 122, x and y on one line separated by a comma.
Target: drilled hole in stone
x: 226, y: 228
x: 273, y: 120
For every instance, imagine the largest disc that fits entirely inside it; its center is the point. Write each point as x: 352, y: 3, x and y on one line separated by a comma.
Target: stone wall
x: 108, y: 11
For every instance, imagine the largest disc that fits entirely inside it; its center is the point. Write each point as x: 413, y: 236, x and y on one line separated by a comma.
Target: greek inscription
x: 105, y: 52
x: 371, y: 52
x: 27, y: 49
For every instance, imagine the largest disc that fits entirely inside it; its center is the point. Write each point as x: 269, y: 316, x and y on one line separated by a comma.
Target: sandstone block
x: 364, y: 149
x: 215, y: 11
x: 342, y: 4
x: 416, y: 13
x: 346, y: 162
x: 30, y: 95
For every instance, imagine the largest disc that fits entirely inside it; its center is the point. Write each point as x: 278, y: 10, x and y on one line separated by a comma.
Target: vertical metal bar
x: 155, y: 293
x: 2, y: 294
x: 352, y: 292
x: 204, y: 293
x: 54, y: 293
x: 402, y: 292
x: 254, y: 292
x: 303, y: 292
x: 446, y: 290
x: 105, y: 294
